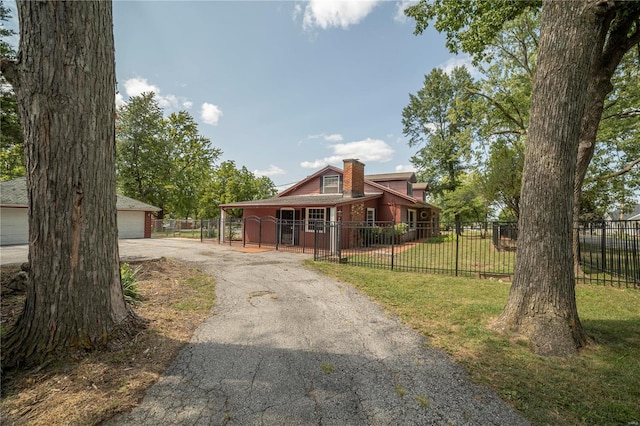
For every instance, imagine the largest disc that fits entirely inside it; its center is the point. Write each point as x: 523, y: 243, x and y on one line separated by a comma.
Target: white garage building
x: 134, y: 217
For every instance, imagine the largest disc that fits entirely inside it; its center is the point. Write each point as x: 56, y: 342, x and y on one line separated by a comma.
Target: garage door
x: 14, y: 226
x: 130, y: 224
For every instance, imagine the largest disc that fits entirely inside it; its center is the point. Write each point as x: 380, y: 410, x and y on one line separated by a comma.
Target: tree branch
x: 621, y: 172
x: 630, y: 113
x: 497, y: 105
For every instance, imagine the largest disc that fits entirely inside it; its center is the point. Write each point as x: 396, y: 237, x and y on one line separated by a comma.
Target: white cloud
x: 271, y: 171
x: 400, y: 168
x: 335, y: 137
x: 120, y: 100
x: 400, y: 7
x: 169, y: 101
x: 460, y: 61
x: 334, y: 13
x: 367, y: 150
x: 210, y: 113
x: 137, y: 86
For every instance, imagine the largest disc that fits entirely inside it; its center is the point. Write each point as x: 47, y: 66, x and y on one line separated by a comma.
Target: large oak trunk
x: 542, y: 304
x: 64, y: 81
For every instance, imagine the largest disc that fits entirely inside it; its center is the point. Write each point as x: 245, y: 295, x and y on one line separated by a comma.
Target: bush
x: 129, y: 281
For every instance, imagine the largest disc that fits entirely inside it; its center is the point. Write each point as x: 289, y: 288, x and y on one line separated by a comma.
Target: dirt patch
x: 175, y: 300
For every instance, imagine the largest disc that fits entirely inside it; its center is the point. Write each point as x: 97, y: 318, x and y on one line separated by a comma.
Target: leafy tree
x: 144, y: 154
x: 502, y: 108
x: 11, y: 143
x: 192, y: 162
x: 162, y: 161
x: 74, y: 299
x: 230, y: 184
x: 466, y: 202
x: 437, y: 120
x: 502, y: 178
x: 613, y: 30
x: 613, y: 177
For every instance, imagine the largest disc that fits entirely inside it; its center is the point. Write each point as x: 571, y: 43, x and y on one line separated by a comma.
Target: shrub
x: 129, y: 280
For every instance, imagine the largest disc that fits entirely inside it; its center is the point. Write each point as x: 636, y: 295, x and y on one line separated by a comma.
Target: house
x: 134, y: 217
x: 625, y: 223
x: 633, y: 214
x: 333, y: 195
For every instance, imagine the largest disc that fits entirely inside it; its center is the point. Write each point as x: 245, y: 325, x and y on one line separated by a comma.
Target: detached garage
x: 134, y: 217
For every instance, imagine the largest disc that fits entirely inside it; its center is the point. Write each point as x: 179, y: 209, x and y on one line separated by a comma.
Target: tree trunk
x: 599, y: 88
x: 64, y: 81
x: 542, y: 304
x: 610, y: 49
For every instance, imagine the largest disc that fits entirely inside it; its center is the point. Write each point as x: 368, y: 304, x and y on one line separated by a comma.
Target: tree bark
x: 610, y: 49
x: 64, y: 81
x: 542, y: 304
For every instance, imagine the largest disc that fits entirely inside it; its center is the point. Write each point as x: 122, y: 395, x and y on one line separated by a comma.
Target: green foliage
x: 144, y: 160
x: 503, y: 175
x: 468, y: 25
x: 465, y: 202
x: 162, y: 161
x: 230, y: 184
x: 11, y: 140
x: 437, y: 120
x: 618, y: 145
x: 192, y: 163
x: 129, y: 281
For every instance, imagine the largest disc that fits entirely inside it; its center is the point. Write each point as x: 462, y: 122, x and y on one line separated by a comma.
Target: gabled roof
x: 632, y: 215
x: 313, y: 200
x: 13, y: 193
x: 292, y: 188
x: 319, y: 200
x: 424, y: 186
x: 402, y: 176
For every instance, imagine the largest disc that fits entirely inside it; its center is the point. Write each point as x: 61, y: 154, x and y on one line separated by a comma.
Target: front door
x: 287, y: 227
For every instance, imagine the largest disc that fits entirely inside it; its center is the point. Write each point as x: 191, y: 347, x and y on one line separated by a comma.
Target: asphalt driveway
x: 288, y: 346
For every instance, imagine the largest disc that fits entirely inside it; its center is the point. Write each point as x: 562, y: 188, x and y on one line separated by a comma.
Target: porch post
x: 221, y: 227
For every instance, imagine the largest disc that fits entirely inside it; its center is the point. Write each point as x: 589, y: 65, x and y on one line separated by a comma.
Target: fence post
x: 315, y: 243
x: 339, y: 236
x: 457, y: 241
x: 393, y: 237
x: 603, y: 248
x: 201, y: 225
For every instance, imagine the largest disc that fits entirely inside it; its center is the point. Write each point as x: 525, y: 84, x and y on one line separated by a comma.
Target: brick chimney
x: 353, y: 179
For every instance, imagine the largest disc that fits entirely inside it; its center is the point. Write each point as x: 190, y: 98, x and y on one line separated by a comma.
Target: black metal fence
x: 609, y: 250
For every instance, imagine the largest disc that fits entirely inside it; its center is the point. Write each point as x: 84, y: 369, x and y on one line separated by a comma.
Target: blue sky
x: 283, y: 88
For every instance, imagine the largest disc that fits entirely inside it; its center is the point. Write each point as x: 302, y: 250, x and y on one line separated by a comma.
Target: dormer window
x: 331, y: 184
x: 410, y: 189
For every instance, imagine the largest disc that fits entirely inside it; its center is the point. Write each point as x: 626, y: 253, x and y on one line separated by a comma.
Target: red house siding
x: 147, y: 224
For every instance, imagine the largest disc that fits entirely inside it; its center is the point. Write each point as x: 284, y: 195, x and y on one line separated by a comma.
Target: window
x: 411, y: 218
x: 371, y: 216
x: 315, y: 219
x: 410, y: 189
x: 331, y: 185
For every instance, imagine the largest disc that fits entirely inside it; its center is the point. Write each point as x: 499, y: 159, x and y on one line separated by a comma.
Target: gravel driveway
x: 287, y: 346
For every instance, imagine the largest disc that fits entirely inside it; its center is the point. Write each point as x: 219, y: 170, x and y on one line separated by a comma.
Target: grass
x: 174, y: 298
x: 599, y: 386
x: 199, y: 295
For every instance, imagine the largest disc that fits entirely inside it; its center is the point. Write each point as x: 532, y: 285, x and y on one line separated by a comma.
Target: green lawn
x: 600, y: 386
